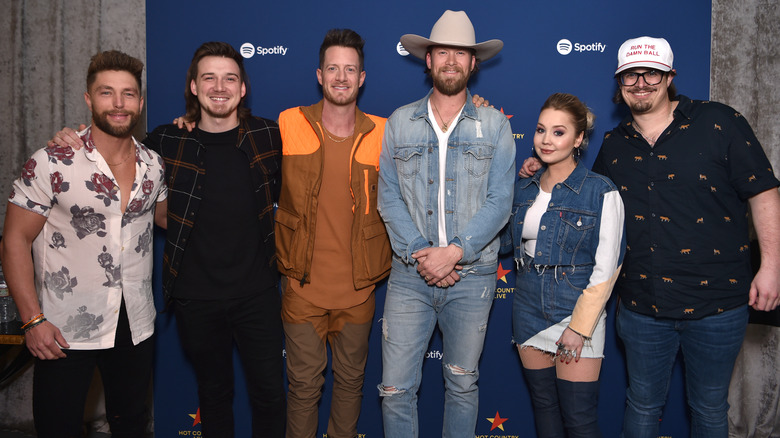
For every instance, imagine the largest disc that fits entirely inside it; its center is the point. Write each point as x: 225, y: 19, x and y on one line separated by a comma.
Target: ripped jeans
x: 412, y: 310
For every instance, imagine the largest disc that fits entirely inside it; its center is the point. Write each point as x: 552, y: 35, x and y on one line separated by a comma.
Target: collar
x: 684, y: 109
x: 91, y: 152
x: 574, y: 182
x: 313, y: 114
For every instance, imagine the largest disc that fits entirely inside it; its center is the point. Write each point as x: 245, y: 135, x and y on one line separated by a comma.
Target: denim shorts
x: 544, y: 299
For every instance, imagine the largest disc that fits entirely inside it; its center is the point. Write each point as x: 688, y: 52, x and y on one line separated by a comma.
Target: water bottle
x: 8, y: 311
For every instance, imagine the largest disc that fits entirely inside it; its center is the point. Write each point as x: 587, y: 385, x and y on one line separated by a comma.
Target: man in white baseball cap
x: 687, y: 170
x: 445, y: 191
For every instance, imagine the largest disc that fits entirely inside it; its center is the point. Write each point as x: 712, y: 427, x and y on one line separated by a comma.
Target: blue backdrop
x: 281, y: 40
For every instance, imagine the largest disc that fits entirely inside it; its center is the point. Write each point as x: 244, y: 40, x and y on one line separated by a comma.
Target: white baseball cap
x: 645, y: 52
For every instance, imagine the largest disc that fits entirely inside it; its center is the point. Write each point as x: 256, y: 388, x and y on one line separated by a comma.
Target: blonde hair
x: 581, y: 115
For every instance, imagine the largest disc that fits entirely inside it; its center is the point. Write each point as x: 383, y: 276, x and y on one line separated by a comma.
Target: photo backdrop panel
x: 548, y: 47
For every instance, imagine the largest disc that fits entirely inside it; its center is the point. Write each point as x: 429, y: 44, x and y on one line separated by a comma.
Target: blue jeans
x: 709, y: 345
x: 412, y: 310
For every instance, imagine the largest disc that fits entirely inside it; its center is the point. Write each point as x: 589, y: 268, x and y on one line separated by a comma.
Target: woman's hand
x: 570, y: 346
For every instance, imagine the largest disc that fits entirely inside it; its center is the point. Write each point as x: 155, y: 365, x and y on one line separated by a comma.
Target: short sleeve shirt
x: 88, y: 254
x: 688, y: 253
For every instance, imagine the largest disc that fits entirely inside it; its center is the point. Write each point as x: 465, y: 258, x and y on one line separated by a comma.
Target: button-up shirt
x: 686, y: 198
x: 184, y: 156
x: 89, y: 255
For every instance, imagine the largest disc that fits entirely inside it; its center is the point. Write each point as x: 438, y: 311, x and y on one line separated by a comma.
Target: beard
x: 642, y: 106
x: 217, y: 111
x: 338, y: 100
x: 101, y: 121
x: 450, y: 86
x: 227, y: 112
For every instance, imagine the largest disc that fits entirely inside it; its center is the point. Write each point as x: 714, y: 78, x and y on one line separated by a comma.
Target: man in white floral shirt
x: 85, y: 295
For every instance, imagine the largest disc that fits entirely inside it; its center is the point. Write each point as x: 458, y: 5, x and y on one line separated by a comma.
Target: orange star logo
x: 502, y: 272
x: 196, y: 418
x: 497, y: 422
x: 507, y: 115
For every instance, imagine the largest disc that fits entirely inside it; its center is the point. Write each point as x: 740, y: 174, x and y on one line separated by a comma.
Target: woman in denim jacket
x: 568, y: 240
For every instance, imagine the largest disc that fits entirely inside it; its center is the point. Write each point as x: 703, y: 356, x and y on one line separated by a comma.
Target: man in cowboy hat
x: 445, y: 191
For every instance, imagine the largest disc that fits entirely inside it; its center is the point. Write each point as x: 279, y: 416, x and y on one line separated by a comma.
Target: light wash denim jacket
x: 569, y: 230
x: 479, y: 183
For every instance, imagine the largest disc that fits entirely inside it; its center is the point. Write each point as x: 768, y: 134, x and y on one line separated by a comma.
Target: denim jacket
x: 569, y: 230
x: 479, y: 183
x: 583, y: 227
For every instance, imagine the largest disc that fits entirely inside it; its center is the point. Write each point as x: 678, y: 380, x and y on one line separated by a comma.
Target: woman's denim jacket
x: 568, y: 231
x: 479, y: 183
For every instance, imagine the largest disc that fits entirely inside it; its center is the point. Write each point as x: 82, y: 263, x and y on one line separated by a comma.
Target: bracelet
x: 33, y: 320
x: 584, y: 338
x: 35, y: 324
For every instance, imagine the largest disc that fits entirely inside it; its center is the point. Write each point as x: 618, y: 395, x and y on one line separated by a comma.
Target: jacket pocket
x: 407, y: 160
x: 477, y: 159
x: 287, y: 239
x: 576, y: 228
x: 376, y: 250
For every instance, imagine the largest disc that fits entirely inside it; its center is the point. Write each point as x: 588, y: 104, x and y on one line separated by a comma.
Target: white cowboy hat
x: 453, y: 29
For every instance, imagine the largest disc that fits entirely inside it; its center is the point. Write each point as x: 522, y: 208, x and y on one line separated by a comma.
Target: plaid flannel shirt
x: 183, y: 153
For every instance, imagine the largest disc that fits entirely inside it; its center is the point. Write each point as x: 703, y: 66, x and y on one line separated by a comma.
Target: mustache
x: 643, y: 88
x: 454, y: 68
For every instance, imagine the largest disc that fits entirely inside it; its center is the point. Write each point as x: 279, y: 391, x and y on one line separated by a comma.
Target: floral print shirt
x: 88, y: 254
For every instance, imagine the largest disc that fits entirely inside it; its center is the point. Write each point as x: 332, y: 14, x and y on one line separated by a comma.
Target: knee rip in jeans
x: 388, y: 391
x: 384, y: 328
x: 458, y: 371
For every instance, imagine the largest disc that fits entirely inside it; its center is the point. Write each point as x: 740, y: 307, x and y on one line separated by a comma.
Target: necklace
x: 343, y: 139
x: 652, y: 140
x: 446, y: 124
x: 121, y: 162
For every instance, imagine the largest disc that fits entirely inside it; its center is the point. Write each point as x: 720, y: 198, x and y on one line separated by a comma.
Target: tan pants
x: 306, y: 329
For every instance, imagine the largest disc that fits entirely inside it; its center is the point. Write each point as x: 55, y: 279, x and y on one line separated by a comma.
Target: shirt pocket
x: 182, y: 179
x: 408, y: 160
x: 576, y: 229
x: 477, y: 159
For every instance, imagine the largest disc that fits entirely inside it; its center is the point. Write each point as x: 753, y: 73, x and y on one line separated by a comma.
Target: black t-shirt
x: 224, y: 258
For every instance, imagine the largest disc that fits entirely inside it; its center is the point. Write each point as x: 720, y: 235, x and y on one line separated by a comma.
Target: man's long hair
x: 223, y: 50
